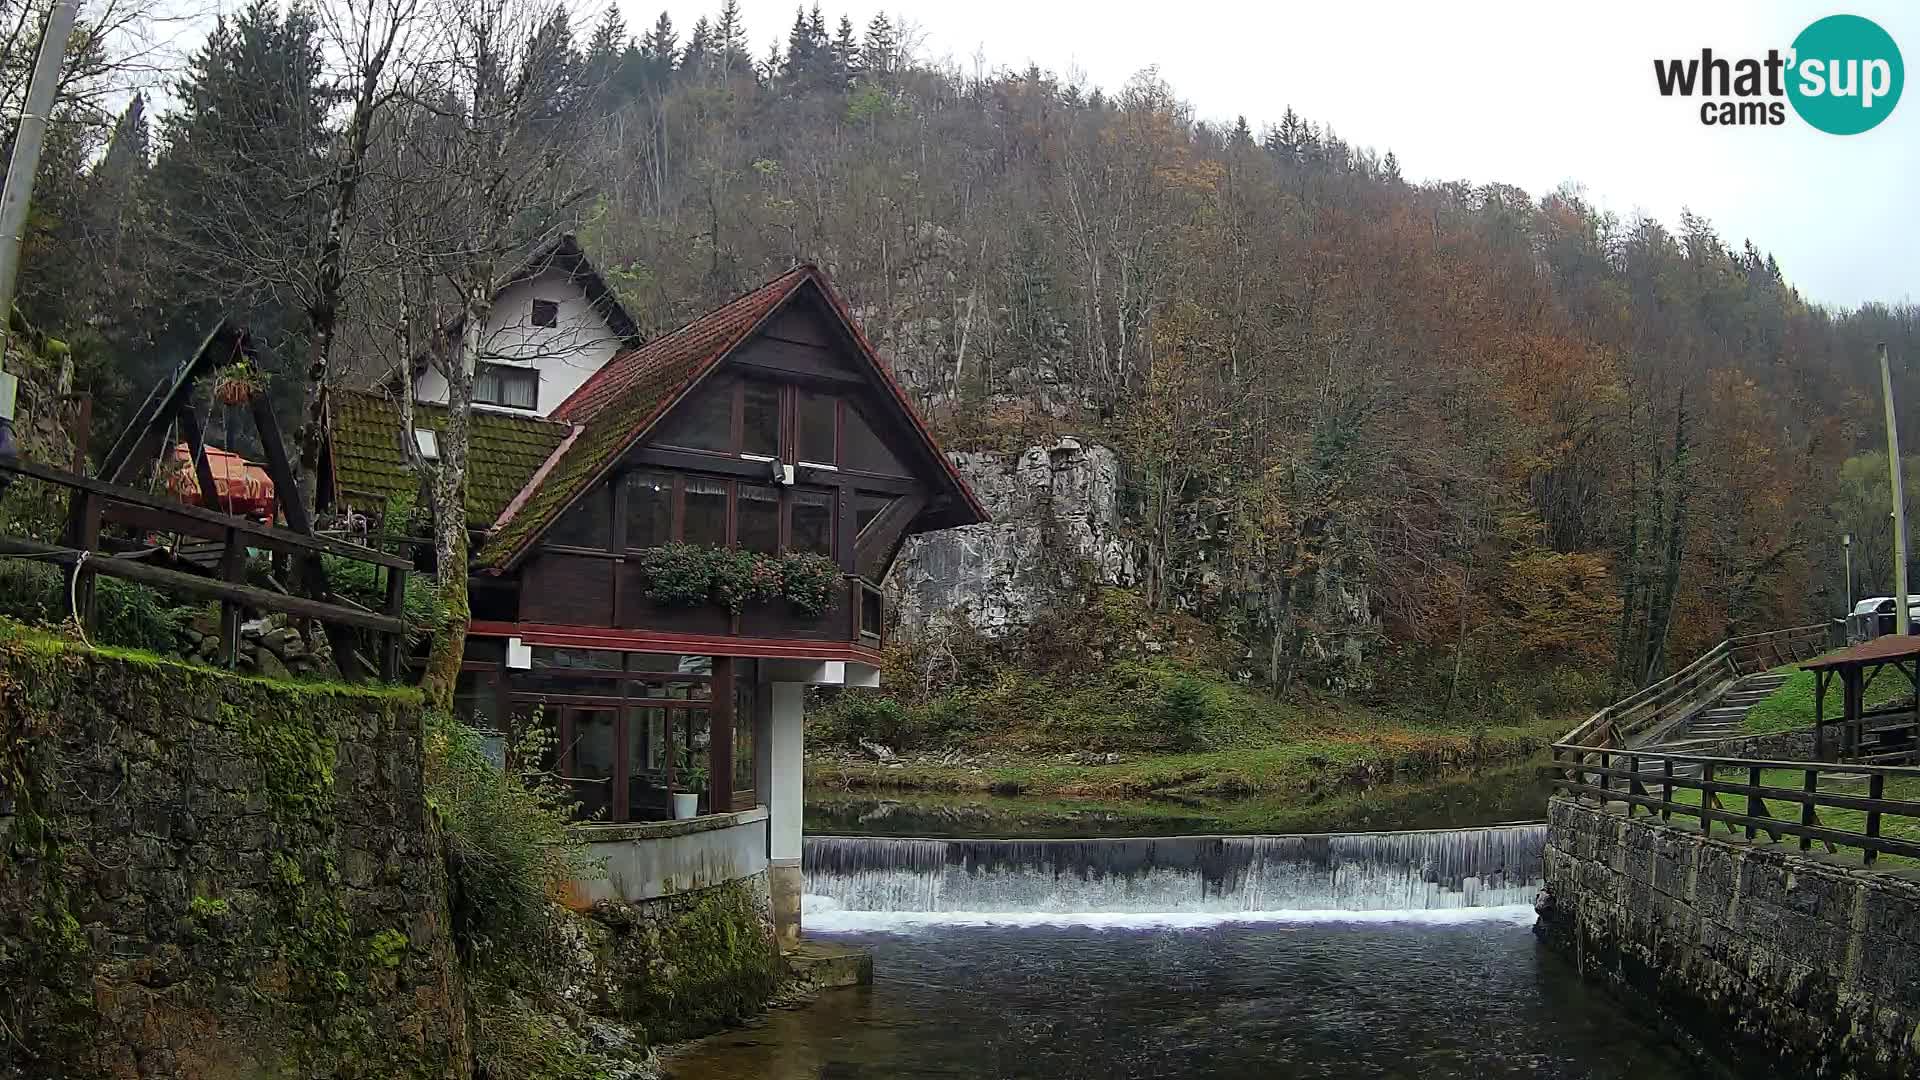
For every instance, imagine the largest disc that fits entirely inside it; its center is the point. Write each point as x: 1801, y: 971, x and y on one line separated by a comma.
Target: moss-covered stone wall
x: 203, y: 875
x: 691, y: 963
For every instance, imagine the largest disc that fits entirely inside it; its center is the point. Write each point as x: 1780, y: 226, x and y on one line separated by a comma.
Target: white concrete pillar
x: 784, y: 751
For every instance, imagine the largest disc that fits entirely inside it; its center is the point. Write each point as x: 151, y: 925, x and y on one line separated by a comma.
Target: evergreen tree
x: 700, y: 49
x: 1242, y: 135
x: 606, y: 52
x: 730, y: 39
x: 1390, y: 168
x: 846, y: 52
x: 237, y: 184
x: 877, y: 51
x: 660, y: 51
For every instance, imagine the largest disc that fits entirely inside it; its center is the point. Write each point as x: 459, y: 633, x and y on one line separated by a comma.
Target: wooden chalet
x: 767, y: 428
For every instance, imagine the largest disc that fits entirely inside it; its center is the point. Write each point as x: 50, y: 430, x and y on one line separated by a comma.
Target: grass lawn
x: 1790, y: 708
x: 1304, y: 765
x: 1892, y: 826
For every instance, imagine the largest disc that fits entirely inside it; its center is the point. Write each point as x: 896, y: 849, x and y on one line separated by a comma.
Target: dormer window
x: 506, y: 386
x: 546, y: 313
x: 428, y: 441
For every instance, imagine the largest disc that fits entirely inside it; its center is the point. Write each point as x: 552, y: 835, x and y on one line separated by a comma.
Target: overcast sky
x: 1533, y: 94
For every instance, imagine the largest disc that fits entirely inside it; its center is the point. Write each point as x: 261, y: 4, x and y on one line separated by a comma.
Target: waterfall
x: 1215, y: 876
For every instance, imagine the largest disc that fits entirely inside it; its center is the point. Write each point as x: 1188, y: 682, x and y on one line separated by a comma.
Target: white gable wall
x: 579, y: 344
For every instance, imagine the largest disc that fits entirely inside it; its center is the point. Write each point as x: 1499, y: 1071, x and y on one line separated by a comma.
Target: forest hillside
x: 1456, y: 446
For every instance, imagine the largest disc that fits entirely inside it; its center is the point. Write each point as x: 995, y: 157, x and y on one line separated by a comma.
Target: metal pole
x: 26, y: 152
x: 1846, y: 550
x: 1901, y: 615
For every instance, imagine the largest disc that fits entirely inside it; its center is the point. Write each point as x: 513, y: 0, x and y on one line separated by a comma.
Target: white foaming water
x: 1203, y: 880
x: 823, y: 914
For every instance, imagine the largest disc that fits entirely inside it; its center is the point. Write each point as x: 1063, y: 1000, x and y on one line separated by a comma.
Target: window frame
x: 550, y: 308
x: 490, y: 367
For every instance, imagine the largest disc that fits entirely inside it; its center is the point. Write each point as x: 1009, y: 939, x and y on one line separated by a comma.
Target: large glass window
x: 706, y: 512
x: 590, y: 761
x: 757, y: 518
x: 760, y: 419
x: 705, y: 422
x: 647, y: 755
x: 864, y: 450
x: 649, y: 509
x: 586, y: 524
x: 812, y: 522
x: 817, y: 436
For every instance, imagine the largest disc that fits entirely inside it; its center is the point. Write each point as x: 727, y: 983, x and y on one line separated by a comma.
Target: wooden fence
x: 92, y: 501
x: 1661, y: 784
x: 1680, y: 695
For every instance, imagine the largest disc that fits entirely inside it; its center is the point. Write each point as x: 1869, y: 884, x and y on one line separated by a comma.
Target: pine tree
x: 237, y: 184
x: 605, y: 51
x: 659, y: 51
x: 730, y: 39
x: 1242, y: 135
x: 1390, y: 168
x: 846, y: 52
x: 799, y: 48
x: 699, y: 55
x: 877, y: 51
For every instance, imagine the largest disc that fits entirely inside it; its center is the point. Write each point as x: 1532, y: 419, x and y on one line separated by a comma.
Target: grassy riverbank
x: 1148, y: 731
x: 1790, y: 708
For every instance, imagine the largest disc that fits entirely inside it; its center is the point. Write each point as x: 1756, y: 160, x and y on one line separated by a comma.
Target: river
x: 1404, y: 954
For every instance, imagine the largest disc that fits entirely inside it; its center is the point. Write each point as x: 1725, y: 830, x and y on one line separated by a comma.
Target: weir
x: 1359, y: 872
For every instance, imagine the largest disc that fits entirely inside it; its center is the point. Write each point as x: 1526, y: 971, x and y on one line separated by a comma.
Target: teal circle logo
x: 1847, y: 74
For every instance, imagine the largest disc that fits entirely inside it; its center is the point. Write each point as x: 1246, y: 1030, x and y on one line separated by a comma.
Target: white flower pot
x: 686, y: 804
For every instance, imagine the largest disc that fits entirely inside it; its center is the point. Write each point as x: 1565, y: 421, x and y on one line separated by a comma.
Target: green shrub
x: 128, y: 615
x: 690, y: 575
x: 511, y: 844
x: 1185, y: 711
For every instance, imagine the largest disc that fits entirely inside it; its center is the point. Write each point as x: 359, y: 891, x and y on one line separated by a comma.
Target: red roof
x: 686, y: 351
x: 617, y: 405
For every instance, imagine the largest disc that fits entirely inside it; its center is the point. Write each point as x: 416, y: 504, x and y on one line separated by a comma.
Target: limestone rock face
x: 1056, y: 516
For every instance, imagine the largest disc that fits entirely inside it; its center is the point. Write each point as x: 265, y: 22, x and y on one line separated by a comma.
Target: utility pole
x: 1901, y: 615
x: 1846, y: 554
x: 19, y: 187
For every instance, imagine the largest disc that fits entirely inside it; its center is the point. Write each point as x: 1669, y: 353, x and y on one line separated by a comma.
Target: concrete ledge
x: 830, y: 966
x: 648, y: 860
x: 660, y: 830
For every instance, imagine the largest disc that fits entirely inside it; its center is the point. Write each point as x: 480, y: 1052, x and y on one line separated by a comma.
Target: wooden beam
x: 173, y: 581
x: 140, y: 442
x: 877, y: 544
x: 197, y: 450
x: 285, y: 484
x: 258, y: 535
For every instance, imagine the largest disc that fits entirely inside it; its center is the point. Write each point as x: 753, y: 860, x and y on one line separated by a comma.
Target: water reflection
x: 1480, y: 1001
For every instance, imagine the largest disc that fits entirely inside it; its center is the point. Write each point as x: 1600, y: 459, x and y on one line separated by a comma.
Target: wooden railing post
x: 1807, y: 814
x: 233, y: 569
x: 390, y: 644
x: 1707, y: 797
x: 1756, y: 806
x: 1666, y: 795
x: 1876, y: 790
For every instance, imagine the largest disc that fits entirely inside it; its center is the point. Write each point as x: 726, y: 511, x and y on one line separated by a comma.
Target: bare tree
x: 364, y: 37
x: 490, y: 160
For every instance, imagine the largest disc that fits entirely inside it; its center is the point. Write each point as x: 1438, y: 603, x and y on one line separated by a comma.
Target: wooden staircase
x: 1721, y: 718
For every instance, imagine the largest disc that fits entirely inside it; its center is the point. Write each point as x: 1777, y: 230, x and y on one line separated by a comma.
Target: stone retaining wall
x: 204, y: 875
x: 1789, y: 958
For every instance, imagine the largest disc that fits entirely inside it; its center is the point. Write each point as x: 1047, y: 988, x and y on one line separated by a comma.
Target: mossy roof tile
x: 504, y: 453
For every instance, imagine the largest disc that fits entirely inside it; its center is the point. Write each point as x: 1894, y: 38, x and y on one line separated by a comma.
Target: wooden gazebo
x: 1886, y: 735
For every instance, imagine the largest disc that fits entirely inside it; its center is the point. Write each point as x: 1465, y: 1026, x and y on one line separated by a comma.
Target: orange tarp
x: 239, y: 486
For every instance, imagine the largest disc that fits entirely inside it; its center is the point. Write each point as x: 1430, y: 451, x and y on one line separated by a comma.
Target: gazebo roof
x: 1881, y: 650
